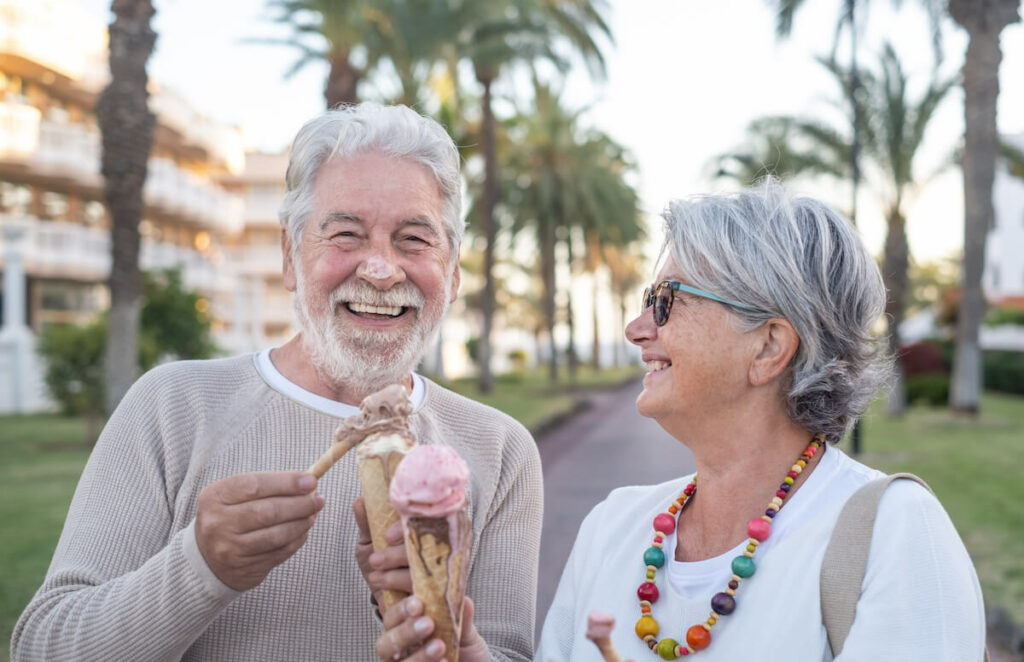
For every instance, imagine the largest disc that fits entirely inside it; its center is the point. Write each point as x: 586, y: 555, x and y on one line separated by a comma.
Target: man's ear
x: 778, y: 342
x: 288, y: 268
x: 456, y: 279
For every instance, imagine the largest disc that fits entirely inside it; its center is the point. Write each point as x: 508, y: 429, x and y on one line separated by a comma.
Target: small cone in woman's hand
x: 599, y: 630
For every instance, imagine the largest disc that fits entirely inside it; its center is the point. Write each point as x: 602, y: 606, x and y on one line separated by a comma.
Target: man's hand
x: 407, y: 635
x: 248, y: 524
x: 387, y: 569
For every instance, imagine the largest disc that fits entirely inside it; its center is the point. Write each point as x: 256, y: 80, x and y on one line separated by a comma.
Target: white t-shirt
x: 332, y: 407
x: 921, y: 599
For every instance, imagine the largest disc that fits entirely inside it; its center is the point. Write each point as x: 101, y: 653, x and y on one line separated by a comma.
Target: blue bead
x: 654, y: 556
x: 743, y: 566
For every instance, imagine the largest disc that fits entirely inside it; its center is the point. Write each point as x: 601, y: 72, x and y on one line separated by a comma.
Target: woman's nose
x: 641, y: 328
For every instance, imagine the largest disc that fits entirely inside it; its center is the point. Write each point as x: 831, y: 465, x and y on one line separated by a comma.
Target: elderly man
x: 192, y: 535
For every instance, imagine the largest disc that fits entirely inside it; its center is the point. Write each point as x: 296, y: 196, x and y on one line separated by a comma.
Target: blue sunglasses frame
x: 655, y: 296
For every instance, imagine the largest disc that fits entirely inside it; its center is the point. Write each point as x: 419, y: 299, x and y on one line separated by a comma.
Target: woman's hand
x: 407, y: 635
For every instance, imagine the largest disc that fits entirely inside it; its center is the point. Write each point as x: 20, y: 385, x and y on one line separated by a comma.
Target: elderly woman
x: 757, y: 336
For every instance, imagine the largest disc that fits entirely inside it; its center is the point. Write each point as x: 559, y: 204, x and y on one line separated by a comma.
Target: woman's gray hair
x: 797, y: 259
x: 357, y: 129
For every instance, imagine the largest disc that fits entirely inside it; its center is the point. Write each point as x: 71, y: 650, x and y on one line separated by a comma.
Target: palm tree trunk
x: 571, y: 348
x: 983, y: 23
x: 342, y: 80
x: 489, y: 231
x: 547, y: 265
x: 127, y: 127
x: 895, y: 263
x: 595, y: 351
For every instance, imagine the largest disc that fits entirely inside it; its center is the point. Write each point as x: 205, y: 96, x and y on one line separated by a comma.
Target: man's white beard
x: 366, y: 360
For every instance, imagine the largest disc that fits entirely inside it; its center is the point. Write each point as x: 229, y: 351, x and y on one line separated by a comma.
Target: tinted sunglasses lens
x: 648, y: 298
x: 662, y: 303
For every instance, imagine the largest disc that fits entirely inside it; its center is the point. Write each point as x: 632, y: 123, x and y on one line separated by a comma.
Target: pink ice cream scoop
x: 599, y: 625
x: 430, y: 482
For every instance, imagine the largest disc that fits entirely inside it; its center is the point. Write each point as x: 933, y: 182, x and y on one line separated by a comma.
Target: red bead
x: 658, y: 539
x: 759, y: 529
x: 689, y: 489
x: 648, y: 591
x: 665, y: 523
x: 780, y: 494
x: 792, y: 474
x: 698, y: 637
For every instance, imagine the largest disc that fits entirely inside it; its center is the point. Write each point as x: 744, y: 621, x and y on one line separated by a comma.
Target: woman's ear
x: 778, y: 343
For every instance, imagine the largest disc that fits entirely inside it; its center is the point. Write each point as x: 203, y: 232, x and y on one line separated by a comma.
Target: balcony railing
x: 176, y: 191
x: 19, y: 130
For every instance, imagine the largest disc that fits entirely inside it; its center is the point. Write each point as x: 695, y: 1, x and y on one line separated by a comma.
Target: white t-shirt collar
x: 318, y: 402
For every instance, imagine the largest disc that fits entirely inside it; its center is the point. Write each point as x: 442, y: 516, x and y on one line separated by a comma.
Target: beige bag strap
x: 846, y: 559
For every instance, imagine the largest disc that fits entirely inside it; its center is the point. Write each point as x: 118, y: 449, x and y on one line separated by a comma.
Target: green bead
x: 667, y: 649
x: 743, y: 566
x: 654, y: 556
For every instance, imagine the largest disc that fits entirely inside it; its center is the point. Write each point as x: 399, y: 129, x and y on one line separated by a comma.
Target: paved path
x: 605, y: 447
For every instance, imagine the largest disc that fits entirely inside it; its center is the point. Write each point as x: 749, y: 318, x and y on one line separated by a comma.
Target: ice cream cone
x: 438, y: 549
x: 429, y: 492
x: 375, y: 472
x: 599, y: 630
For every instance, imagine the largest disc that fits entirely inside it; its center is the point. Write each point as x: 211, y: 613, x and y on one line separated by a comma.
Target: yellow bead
x: 646, y: 627
x: 751, y: 548
x: 712, y: 620
x: 802, y: 463
x: 787, y: 480
x: 650, y: 574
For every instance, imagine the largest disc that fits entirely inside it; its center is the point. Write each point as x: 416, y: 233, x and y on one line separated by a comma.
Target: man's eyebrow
x: 428, y: 225
x: 339, y: 217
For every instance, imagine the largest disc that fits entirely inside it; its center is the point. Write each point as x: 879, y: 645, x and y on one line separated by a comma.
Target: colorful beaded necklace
x: 722, y: 604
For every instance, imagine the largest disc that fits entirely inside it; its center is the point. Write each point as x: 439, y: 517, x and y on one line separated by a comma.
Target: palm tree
x: 848, y: 19
x: 627, y: 273
x: 896, y: 127
x: 336, y: 31
x: 984, y: 21
x: 496, y: 35
x: 892, y: 130
x: 126, y: 125
x: 562, y: 183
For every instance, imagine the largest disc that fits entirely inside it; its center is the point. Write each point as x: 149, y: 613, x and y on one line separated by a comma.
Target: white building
x: 1004, y: 256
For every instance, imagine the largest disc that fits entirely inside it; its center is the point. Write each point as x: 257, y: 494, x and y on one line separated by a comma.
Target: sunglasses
x: 662, y: 295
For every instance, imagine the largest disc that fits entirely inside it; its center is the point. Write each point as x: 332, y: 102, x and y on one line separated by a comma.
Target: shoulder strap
x: 846, y: 558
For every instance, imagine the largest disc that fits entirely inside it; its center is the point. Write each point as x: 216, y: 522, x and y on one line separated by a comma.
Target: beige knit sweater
x: 127, y: 582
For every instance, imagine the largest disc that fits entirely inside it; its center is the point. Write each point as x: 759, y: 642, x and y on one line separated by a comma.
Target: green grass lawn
x: 972, y: 464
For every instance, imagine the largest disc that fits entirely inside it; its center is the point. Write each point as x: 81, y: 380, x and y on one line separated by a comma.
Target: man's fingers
x: 362, y: 521
x: 260, y: 485
x: 263, y: 541
x: 271, y: 511
x: 407, y: 630
x: 406, y: 608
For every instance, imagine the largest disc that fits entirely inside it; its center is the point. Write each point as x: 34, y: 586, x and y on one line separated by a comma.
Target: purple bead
x: 723, y: 604
x: 784, y: 487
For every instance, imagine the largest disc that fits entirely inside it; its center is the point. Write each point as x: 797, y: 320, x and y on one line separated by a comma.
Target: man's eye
x: 343, y: 233
x: 415, y: 239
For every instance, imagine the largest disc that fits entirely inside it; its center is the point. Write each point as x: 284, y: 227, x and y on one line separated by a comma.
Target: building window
x: 55, y: 205
x: 14, y: 198
x: 95, y: 213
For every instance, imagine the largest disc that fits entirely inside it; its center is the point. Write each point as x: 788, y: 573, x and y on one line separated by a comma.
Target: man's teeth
x: 376, y: 310
x: 652, y: 366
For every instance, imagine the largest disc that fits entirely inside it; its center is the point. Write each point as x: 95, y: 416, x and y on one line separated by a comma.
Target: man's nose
x: 380, y: 272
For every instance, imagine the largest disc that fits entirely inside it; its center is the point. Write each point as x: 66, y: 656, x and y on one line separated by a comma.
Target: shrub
x: 74, y: 366
x: 931, y: 390
x: 924, y: 358
x: 1004, y: 371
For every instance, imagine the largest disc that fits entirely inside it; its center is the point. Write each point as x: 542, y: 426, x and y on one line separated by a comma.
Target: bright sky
x: 684, y: 80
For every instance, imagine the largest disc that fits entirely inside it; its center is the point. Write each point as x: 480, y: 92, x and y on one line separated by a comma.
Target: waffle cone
x: 375, y: 472
x: 607, y: 649
x: 438, y: 550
